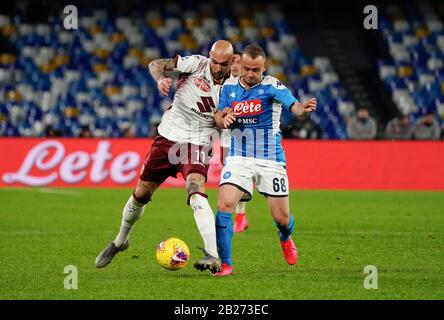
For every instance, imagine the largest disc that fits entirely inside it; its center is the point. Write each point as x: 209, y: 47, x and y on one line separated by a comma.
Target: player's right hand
x: 164, y: 86
x: 229, y: 119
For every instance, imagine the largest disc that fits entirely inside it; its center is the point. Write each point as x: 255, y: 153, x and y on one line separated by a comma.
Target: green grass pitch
x: 338, y: 233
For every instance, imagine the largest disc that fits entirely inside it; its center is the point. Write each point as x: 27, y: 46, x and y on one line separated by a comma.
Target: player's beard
x: 218, y: 75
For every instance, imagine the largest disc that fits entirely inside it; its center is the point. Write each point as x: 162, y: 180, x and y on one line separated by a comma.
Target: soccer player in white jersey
x: 188, y: 126
x: 251, y: 106
x: 240, y: 219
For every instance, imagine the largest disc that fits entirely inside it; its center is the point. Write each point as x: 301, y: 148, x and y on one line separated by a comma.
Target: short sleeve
x: 283, y: 95
x: 187, y: 64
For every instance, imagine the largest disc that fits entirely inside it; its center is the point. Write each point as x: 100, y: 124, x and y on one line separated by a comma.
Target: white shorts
x: 269, y: 176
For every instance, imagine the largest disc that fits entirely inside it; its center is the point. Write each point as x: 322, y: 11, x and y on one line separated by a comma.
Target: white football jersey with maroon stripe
x: 190, y: 119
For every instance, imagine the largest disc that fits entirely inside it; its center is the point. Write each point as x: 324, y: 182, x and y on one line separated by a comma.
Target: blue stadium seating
x: 97, y: 76
x: 414, y: 38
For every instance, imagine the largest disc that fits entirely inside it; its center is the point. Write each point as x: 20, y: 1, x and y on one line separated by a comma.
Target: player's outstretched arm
x: 224, y: 118
x: 302, y: 110
x: 157, y: 68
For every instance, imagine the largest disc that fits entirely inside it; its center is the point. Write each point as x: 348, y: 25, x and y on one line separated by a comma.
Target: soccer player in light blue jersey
x: 251, y: 107
x: 240, y: 219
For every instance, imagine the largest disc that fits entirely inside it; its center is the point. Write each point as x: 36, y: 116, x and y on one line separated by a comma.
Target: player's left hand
x: 309, y: 106
x: 305, y: 108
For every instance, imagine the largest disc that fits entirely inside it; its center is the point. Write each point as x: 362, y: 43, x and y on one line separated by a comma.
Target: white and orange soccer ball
x: 172, y: 254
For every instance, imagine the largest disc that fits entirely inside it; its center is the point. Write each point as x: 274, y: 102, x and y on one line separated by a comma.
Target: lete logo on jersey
x: 247, y: 108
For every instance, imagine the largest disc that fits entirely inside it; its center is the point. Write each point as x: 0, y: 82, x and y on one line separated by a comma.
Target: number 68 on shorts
x: 270, y: 177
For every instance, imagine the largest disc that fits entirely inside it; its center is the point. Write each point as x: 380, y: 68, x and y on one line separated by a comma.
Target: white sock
x: 204, y: 217
x: 131, y: 213
x: 241, y: 206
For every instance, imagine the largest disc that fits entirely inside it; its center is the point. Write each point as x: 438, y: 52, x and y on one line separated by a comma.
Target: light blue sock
x: 224, y: 235
x: 286, y: 231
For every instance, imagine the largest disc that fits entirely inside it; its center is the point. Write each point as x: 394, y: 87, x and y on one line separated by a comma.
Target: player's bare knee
x: 144, y: 191
x: 282, y: 219
x: 225, y: 205
x: 195, y: 183
x: 192, y: 187
x: 142, y: 196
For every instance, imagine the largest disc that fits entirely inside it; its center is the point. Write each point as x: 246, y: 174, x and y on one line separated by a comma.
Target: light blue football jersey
x: 256, y: 132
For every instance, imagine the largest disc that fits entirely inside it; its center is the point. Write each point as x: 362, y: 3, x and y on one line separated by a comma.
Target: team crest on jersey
x: 247, y: 108
x: 202, y: 84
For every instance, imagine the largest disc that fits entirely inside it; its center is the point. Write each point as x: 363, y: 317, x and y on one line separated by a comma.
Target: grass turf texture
x: 337, y: 234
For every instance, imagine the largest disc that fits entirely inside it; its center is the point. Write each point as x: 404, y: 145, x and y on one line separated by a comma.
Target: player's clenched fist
x: 305, y: 108
x: 310, y: 105
x: 164, y: 86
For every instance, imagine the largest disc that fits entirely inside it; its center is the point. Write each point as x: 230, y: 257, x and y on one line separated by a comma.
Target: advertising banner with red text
x: 359, y: 165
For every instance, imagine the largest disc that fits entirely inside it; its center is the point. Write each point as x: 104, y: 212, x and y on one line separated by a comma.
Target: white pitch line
x: 49, y: 232
x: 43, y: 190
x: 395, y: 233
x: 337, y: 233
x: 59, y: 191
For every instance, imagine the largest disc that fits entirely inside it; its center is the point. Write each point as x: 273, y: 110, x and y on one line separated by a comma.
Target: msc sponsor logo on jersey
x: 247, y: 108
x: 201, y: 84
x: 244, y: 121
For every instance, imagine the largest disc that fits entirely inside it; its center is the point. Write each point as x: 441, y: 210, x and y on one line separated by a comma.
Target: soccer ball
x: 172, y: 254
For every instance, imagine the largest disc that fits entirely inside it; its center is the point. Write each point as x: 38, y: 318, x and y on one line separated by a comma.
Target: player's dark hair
x: 254, y: 50
x: 237, y: 53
